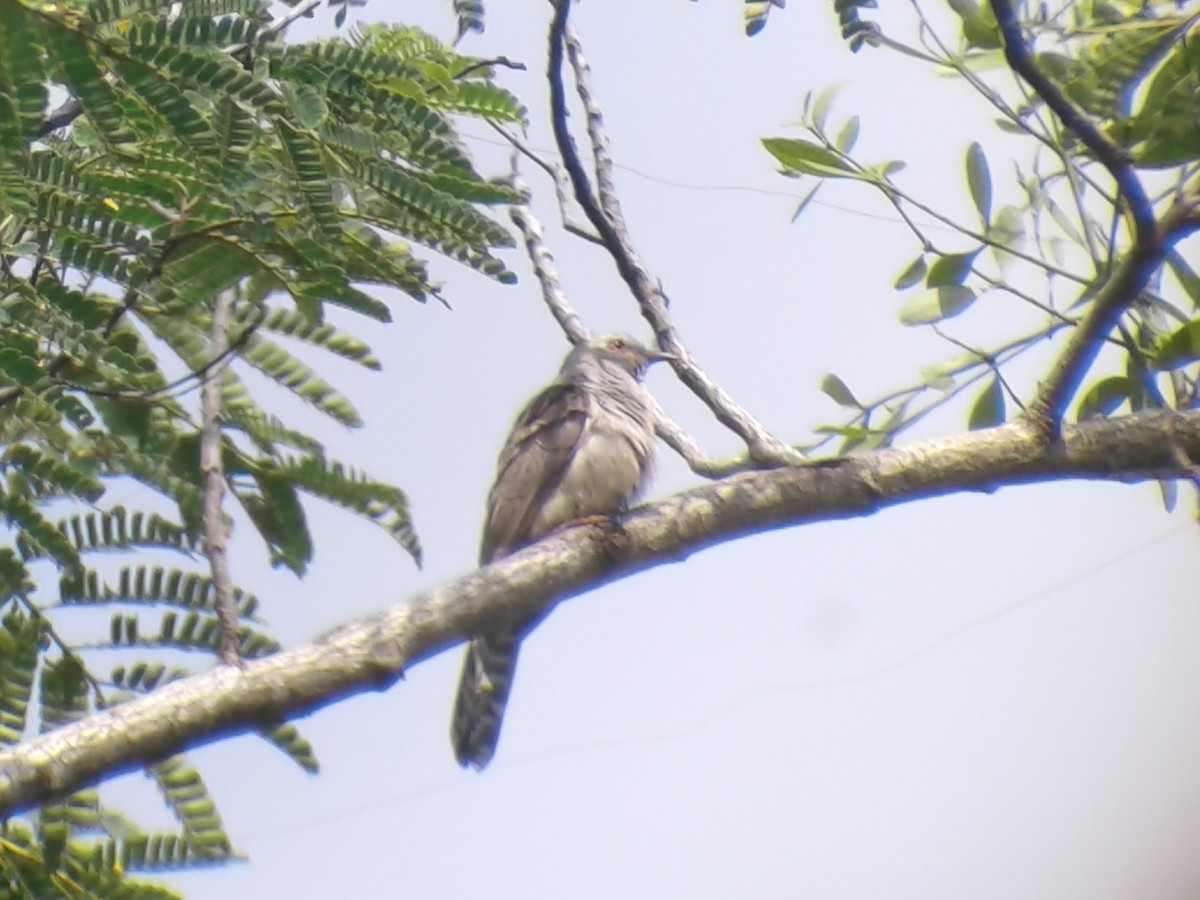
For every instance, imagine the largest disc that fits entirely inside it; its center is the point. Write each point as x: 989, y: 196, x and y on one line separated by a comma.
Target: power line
x: 730, y: 188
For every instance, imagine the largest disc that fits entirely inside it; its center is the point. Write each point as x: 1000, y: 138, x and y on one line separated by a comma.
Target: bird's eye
x: 616, y: 344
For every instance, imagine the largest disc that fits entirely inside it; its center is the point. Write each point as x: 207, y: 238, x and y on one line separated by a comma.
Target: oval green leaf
x: 952, y: 268
x: 1181, y: 348
x: 988, y: 409
x: 848, y: 136
x: 912, y: 275
x: 937, y: 304
x: 979, y: 180
x: 1103, y: 398
x: 838, y: 392
x: 807, y: 157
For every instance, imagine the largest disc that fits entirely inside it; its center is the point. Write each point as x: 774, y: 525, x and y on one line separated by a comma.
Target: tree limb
x: 215, y: 532
x: 372, y: 653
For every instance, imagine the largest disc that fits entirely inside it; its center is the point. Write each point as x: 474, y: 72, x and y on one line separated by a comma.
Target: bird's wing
x: 532, y: 465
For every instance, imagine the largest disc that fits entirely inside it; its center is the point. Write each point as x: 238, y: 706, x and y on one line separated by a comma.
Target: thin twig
x: 543, y: 265
x: 66, y: 649
x: 561, y: 185
x: 605, y: 216
x: 485, y: 63
x: 214, y: 482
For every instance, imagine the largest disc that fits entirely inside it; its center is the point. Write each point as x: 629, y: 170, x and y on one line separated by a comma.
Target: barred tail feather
x: 482, y: 695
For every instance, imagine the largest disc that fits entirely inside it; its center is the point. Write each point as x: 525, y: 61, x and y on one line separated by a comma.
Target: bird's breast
x: 606, y: 472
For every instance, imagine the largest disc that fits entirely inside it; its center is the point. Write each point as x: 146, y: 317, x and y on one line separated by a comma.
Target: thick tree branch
x: 215, y: 532
x: 373, y: 653
x: 605, y: 216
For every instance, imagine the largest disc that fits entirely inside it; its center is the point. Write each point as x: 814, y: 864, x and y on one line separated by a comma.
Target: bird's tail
x: 482, y: 695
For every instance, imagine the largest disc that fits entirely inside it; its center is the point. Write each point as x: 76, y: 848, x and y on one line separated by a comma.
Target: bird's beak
x: 653, y: 356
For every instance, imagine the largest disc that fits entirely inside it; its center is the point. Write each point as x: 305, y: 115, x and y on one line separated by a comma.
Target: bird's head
x: 619, y: 352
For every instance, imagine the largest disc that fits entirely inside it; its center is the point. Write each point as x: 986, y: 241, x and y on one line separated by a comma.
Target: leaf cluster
x: 154, y: 155
x: 1129, y: 70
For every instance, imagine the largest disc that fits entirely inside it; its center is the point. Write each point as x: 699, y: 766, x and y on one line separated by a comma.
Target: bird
x: 582, y: 447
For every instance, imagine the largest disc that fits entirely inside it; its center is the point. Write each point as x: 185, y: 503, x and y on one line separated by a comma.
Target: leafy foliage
x: 195, y: 154
x: 1135, y: 75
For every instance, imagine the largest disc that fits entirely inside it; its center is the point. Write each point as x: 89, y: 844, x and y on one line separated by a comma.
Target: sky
x: 986, y: 695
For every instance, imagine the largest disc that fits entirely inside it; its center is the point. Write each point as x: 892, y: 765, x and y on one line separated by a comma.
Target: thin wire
x: 733, y: 188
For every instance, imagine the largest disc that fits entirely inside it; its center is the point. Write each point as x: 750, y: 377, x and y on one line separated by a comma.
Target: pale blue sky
x: 986, y: 696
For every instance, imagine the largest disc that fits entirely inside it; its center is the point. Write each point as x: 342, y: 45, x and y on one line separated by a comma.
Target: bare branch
x: 371, y: 654
x: 487, y: 63
x: 215, y: 532
x: 543, y: 265
x: 605, y: 216
x: 561, y: 185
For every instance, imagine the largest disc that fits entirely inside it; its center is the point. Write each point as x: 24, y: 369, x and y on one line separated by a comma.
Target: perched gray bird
x: 583, y: 447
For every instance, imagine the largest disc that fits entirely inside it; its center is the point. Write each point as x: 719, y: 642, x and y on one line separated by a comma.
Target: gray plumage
x: 584, y: 446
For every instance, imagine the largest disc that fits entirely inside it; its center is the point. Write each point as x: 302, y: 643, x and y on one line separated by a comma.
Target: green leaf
x: 1103, y: 398
x: 979, y: 180
x: 1169, y: 493
x: 979, y: 28
x: 822, y: 105
x: 808, y: 158
x: 188, y: 797
x: 1180, y: 348
x: 1185, y: 275
x: 937, y: 304
x: 22, y: 637
x: 805, y: 200
x: 837, y: 391
x: 912, y: 274
x: 1008, y: 228
x: 951, y: 269
x: 988, y: 409
x: 848, y: 136
x: 288, y: 739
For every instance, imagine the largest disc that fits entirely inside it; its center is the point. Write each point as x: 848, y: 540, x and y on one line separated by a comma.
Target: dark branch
x: 488, y: 63
x: 371, y: 654
x: 1112, y: 157
x: 1121, y: 288
x: 61, y: 117
x: 1149, y: 244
